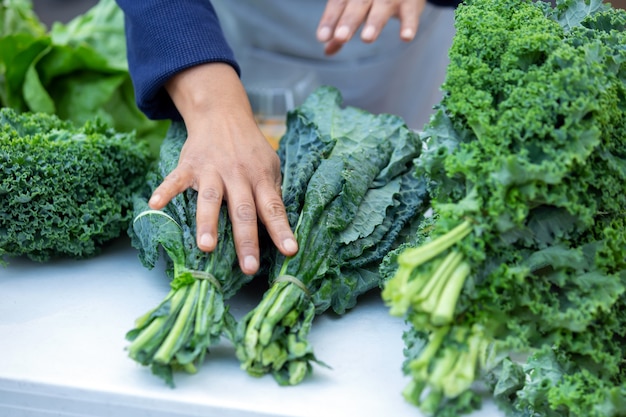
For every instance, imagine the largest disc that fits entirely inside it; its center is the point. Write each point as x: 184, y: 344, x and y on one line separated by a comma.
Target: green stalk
x: 285, y: 302
x: 143, y: 320
x: 202, y: 320
x: 399, y: 292
x: 435, y: 340
x: 463, y: 375
x: 428, y: 299
x: 413, y: 257
x: 444, y: 310
x: 442, y: 367
x: 168, y: 348
x: 156, y: 329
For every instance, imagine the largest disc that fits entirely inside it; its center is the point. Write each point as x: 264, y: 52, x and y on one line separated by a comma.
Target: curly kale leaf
x: 65, y: 190
x: 526, y: 165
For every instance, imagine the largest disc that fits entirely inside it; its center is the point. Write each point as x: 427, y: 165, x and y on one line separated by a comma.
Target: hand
x: 342, y: 18
x: 226, y: 157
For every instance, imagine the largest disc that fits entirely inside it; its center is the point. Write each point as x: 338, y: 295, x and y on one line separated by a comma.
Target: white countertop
x: 62, y: 352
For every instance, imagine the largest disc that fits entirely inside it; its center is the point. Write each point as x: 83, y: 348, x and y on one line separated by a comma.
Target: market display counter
x: 62, y: 352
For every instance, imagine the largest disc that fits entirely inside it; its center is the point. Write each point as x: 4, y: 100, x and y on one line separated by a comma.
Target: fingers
x: 342, y: 18
x: 273, y: 215
x: 242, y: 213
x: 247, y: 205
x: 176, y: 182
x: 210, y: 196
x: 409, y: 14
x: 251, y: 195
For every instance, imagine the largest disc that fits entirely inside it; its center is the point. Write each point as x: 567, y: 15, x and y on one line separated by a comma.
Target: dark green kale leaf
x: 178, y: 332
x: 349, y: 202
x: 65, y: 190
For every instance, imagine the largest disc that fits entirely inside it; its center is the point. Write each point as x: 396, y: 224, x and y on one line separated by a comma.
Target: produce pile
x: 65, y: 190
x: 74, y: 147
x: 350, y: 194
x: 516, y: 284
x: 498, y: 233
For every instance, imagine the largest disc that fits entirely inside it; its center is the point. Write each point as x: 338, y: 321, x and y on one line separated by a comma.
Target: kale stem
x: 167, y: 349
x: 252, y: 326
x: 146, y: 335
x: 144, y: 319
x: 413, y: 257
x: 155, y: 327
x: 435, y: 340
x: 202, y: 320
x: 462, y: 375
x: 283, y: 304
x: 446, y: 303
x: 428, y: 298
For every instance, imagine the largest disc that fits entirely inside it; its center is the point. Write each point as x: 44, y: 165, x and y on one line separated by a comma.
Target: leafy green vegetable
x: 177, y: 333
x: 77, y: 70
x: 349, y: 190
x: 65, y: 190
x: 524, y: 257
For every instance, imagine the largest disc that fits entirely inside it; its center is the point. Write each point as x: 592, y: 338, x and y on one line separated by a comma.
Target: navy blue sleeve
x: 165, y: 37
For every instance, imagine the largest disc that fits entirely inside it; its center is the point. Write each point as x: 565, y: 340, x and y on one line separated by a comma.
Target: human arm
x: 182, y: 68
x: 342, y: 18
x: 226, y: 157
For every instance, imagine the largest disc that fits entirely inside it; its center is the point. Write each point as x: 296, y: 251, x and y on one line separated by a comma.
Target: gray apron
x: 387, y: 76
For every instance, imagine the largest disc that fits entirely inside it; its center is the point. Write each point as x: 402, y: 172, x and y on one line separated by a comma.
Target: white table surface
x: 62, y: 352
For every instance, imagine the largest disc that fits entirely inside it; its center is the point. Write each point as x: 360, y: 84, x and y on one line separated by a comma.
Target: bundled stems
x: 444, y: 370
x: 178, y: 332
x: 272, y: 338
x: 429, y: 280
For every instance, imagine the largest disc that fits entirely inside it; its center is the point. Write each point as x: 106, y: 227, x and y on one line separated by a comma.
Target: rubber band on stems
x: 293, y: 280
x: 206, y: 276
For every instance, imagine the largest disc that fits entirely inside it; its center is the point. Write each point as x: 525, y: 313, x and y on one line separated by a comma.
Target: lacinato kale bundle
x: 193, y: 316
x: 349, y: 190
x: 518, y: 279
x: 65, y: 190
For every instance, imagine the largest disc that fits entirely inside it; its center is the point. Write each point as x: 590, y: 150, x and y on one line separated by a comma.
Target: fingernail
x: 323, y: 33
x: 250, y: 263
x: 407, y: 34
x: 206, y: 240
x: 368, y: 33
x: 154, y: 200
x: 342, y: 33
x: 290, y: 245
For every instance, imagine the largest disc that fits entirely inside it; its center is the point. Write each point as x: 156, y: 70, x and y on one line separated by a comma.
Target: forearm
x: 208, y: 89
x: 164, y: 38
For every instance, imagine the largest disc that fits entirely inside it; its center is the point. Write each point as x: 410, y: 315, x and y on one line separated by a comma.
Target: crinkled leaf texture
x: 65, y: 190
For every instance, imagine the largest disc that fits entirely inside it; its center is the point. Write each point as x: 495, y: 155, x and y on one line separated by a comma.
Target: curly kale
x: 526, y: 159
x: 65, y: 190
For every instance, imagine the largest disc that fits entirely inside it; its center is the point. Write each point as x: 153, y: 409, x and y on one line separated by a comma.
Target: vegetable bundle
x: 349, y: 191
x: 65, y: 190
x: 193, y: 317
x: 518, y: 280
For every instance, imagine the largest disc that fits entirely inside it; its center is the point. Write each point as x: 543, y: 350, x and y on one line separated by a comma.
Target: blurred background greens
x: 69, y: 58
